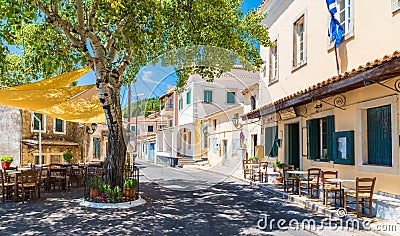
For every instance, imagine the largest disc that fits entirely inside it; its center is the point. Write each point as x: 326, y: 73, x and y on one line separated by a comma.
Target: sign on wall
x: 288, y: 113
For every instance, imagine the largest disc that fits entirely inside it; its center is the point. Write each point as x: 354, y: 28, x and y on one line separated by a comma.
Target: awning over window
x: 52, y: 97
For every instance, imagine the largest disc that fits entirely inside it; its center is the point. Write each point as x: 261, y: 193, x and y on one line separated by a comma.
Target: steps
x: 185, y: 161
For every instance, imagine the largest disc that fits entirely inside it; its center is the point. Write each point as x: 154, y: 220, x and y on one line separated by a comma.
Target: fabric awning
x: 52, y: 97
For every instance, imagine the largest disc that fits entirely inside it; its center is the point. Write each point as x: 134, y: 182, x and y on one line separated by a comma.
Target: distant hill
x: 146, y: 107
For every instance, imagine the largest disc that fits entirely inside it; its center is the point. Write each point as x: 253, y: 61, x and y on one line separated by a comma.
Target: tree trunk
x: 108, y: 86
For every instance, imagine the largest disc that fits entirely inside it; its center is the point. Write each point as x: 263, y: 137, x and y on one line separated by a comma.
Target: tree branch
x: 79, y: 7
x: 92, y: 14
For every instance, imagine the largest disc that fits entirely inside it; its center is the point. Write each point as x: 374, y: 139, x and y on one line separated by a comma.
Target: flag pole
x: 337, y: 61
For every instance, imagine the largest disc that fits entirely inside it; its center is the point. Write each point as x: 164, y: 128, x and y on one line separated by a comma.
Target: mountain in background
x: 146, y: 107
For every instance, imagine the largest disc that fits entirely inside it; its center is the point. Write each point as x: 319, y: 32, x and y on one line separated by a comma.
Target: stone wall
x: 10, y: 128
x: 73, y: 134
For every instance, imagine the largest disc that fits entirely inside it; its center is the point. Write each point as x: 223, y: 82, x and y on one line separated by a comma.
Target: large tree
x: 116, y: 39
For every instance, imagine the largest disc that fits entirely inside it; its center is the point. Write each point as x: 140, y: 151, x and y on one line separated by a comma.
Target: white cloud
x: 146, y: 77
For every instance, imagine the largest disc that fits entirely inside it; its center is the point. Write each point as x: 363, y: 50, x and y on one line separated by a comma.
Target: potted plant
x: 130, y: 186
x: 94, y: 184
x: 277, y: 168
x: 6, y: 161
x: 253, y: 159
x: 67, y: 157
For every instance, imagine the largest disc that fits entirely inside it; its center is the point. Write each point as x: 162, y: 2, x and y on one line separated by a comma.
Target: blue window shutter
x: 330, y: 129
x: 207, y: 96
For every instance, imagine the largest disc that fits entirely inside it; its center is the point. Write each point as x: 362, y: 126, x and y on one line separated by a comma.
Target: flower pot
x: 130, y: 192
x: 279, y: 179
x: 5, y: 164
x: 94, y: 193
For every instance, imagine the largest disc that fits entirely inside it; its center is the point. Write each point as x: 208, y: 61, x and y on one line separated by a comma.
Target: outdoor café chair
x: 311, y: 182
x: 7, y: 188
x: 362, y: 196
x: 289, y: 183
x: 328, y: 187
x: 28, y: 183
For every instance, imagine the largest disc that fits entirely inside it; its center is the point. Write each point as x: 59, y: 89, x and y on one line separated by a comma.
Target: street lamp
x: 91, y: 129
x: 235, y: 121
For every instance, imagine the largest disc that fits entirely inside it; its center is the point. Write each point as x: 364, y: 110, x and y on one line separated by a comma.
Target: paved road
x: 179, y: 202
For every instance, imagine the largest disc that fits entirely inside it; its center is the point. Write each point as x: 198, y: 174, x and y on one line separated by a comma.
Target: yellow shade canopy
x: 52, y: 97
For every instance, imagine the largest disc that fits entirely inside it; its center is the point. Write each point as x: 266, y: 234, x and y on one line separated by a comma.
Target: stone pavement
x: 178, y: 202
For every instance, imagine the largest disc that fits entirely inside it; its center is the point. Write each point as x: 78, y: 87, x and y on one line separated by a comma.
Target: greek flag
x: 335, y: 29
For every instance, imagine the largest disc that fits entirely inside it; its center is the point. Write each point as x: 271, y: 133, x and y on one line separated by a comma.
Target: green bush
x: 130, y: 183
x: 6, y: 159
x: 67, y: 156
x: 94, y: 182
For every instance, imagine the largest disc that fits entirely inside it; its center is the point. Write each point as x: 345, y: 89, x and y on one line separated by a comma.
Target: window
x: 215, y: 124
x: 133, y: 128
x: 343, y: 146
x: 253, y: 102
x: 345, y: 15
x: 395, y: 5
x: 379, y: 133
x: 271, y: 141
x: 54, y: 159
x: 170, y: 103
x: 273, y: 62
x: 37, y: 162
x: 150, y: 128
x: 320, y: 138
x: 59, y: 126
x: 35, y: 121
x: 96, y: 148
x: 188, y: 97
x: 180, y: 104
x: 171, y: 123
x: 208, y: 96
x: 230, y: 97
x: 299, y: 51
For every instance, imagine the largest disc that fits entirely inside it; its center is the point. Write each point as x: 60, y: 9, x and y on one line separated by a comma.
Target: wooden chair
x: 7, y: 188
x: 28, y: 183
x: 312, y: 182
x: 58, y: 177
x: 328, y: 187
x: 246, y: 169
x: 289, y: 183
x: 363, y: 196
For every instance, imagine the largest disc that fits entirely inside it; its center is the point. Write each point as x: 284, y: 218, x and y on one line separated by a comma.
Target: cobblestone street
x: 225, y: 208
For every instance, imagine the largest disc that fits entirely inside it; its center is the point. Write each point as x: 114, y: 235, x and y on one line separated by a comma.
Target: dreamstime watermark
x: 339, y: 223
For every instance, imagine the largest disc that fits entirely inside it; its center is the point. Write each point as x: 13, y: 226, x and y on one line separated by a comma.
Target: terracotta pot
x: 5, y: 164
x: 279, y: 179
x: 130, y: 192
x: 94, y: 193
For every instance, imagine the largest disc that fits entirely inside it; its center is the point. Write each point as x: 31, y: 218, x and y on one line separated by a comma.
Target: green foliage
x: 67, y: 156
x: 253, y: 159
x: 45, y: 45
x: 145, y: 108
x: 94, y: 182
x: 130, y: 183
x: 6, y: 159
x: 277, y: 164
x: 111, y: 193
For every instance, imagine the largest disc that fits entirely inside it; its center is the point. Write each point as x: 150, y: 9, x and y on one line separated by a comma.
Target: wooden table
x: 297, y: 172
x: 340, y: 181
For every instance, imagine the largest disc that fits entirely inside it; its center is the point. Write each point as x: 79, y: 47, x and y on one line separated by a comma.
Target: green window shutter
x: 274, y: 151
x: 36, y: 122
x: 59, y: 125
x: 268, y: 141
x: 313, y: 139
x: 133, y: 128
x: 207, y: 96
x: 330, y: 129
x: 180, y: 104
x: 188, y: 97
x: 96, y: 147
x: 230, y: 97
x: 271, y: 141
